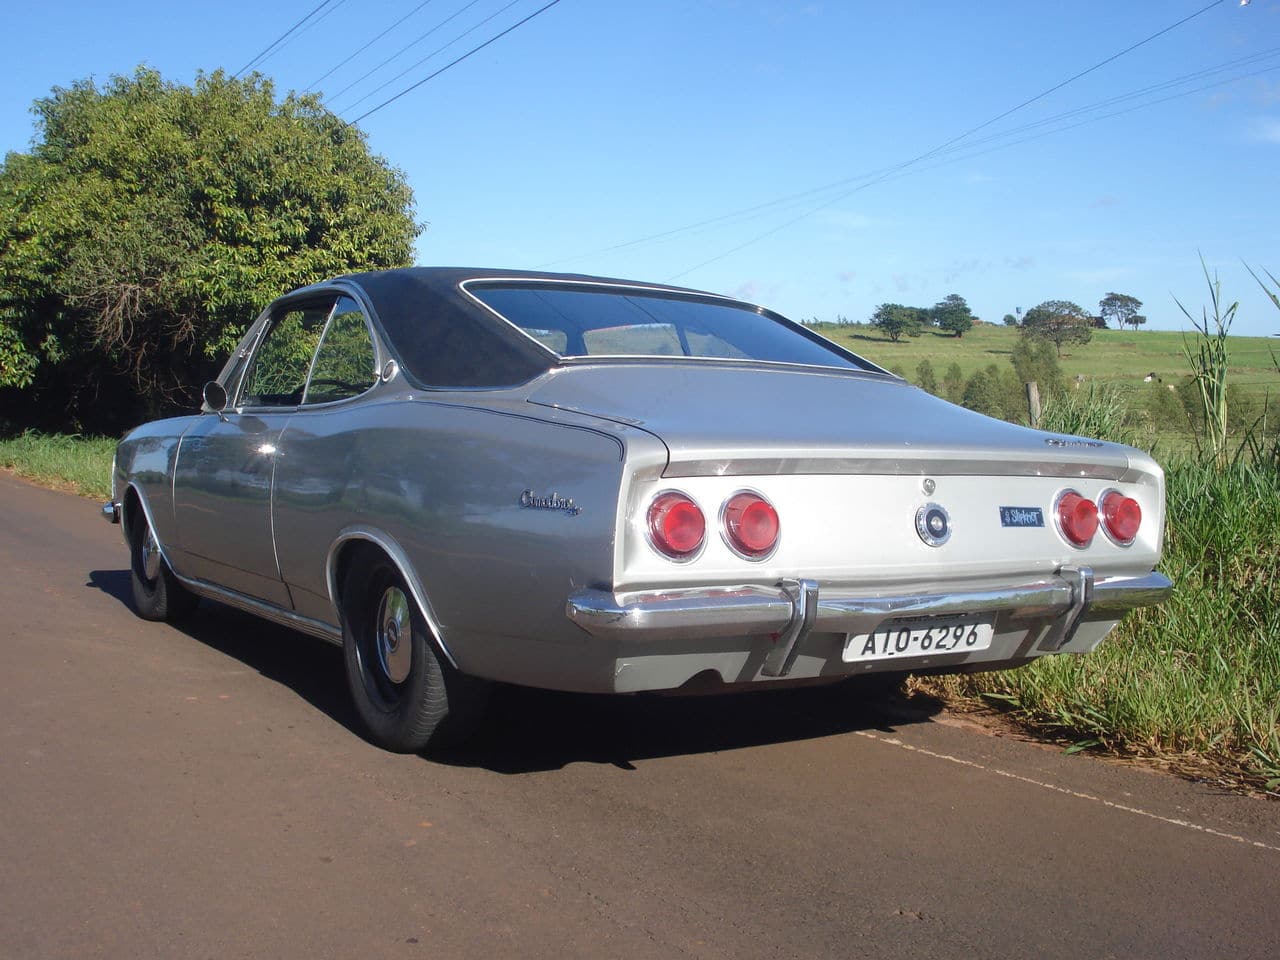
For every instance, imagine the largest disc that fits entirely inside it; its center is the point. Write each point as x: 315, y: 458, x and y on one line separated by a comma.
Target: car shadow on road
x: 309, y: 667
x: 526, y: 730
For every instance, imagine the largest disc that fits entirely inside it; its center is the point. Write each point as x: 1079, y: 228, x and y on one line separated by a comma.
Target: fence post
x: 1033, y: 402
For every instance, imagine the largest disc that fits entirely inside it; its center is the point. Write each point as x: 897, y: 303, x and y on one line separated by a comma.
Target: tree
x: 895, y: 320
x: 1037, y: 360
x: 1010, y: 320
x: 151, y: 221
x: 952, y: 314
x: 1059, y: 322
x: 1119, y: 307
x: 1137, y: 320
x: 953, y: 382
x: 926, y: 379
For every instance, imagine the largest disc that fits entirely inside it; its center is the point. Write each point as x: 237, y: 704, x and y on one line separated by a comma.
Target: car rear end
x: 845, y: 549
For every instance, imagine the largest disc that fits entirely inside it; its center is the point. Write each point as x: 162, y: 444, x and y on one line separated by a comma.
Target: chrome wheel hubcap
x: 150, y: 555
x: 395, y: 635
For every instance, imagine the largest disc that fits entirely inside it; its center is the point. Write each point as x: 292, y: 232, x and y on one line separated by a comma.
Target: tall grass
x: 1199, y: 676
x: 81, y: 464
x: 1209, y: 362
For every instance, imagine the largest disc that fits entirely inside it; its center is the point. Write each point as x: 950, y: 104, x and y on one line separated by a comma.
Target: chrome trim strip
x: 892, y: 466
x: 259, y: 608
x: 754, y: 610
x: 396, y: 554
x: 146, y: 512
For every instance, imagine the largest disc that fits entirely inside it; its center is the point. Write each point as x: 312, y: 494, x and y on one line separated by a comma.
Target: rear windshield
x: 585, y: 322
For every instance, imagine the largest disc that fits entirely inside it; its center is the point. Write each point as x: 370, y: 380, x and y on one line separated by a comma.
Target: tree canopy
x: 952, y: 314
x: 1121, y: 308
x: 1059, y: 322
x: 152, y: 221
x: 894, y: 319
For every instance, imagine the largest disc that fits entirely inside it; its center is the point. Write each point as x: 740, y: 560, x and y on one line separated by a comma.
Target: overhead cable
x: 473, y: 50
x: 334, y: 69
x: 266, y: 52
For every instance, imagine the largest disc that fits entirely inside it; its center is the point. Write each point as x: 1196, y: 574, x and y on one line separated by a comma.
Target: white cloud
x: 1266, y: 129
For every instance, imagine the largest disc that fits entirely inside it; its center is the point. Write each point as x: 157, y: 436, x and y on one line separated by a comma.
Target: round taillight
x: 1121, y: 516
x: 676, y: 525
x: 751, y: 525
x: 1077, y: 518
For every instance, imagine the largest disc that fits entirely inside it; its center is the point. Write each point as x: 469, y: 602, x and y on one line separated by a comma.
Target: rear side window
x: 345, y: 364
x: 590, y: 322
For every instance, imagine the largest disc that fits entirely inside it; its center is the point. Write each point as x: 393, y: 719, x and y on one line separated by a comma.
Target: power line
x: 897, y: 174
x: 884, y: 173
x: 280, y: 39
x: 473, y: 50
x: 414, y: 66
x: 954, y: 140
x: 964, y: 152
x: 1073, y: 79
x: 312, y: 85
x: 407, y: 46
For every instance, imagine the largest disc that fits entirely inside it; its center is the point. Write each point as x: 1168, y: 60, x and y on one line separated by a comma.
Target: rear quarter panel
x: 445, y: 481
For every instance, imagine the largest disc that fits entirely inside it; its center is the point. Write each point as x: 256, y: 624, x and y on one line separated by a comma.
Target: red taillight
x: 1122, y: 517
x: 676, y: 525
x: 751, y: 524
x: 1077, y: 518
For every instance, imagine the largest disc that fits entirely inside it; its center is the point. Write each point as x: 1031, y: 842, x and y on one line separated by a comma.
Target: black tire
x: 407, y: 694
x: 157, y: 593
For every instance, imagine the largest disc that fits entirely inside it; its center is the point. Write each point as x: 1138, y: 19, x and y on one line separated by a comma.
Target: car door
x: 319, y: 481
x: 226, y: 463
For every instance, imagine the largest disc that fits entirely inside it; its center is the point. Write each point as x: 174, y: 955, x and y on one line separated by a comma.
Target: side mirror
x: 215, y: 398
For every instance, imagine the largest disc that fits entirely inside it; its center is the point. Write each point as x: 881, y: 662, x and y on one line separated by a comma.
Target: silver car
x: 463, y: 476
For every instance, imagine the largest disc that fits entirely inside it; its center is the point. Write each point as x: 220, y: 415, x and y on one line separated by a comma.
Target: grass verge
x: 79, y: 464
x: 1194, y: 683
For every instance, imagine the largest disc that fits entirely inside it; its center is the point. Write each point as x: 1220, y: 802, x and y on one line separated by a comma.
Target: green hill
x: 1114, y: 356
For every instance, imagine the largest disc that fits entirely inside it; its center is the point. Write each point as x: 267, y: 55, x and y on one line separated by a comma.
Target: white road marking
x: 1185, y: 824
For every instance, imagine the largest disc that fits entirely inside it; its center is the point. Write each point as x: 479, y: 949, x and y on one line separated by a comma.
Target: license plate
x: 898, y: 639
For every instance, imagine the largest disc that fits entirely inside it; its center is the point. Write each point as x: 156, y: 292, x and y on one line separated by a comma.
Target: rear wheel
x: 157, y: 593
x: 407, y: 694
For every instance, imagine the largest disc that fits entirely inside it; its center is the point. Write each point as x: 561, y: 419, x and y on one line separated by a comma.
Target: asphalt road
x: 201, y: 792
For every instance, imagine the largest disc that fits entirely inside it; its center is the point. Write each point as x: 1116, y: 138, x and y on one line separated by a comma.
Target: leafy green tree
x: 150, y: 223
x: 1137, y: 320
x: 1059, y: 322
x: 953, y: 382
x: 1119, y: 307
x: 1010, y: 320
x: 925, y: 377
x: 895, y: 320
x: 952, y: 314
x: 1038, y: 360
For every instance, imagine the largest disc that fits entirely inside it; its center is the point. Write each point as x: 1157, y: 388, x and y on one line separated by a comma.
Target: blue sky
x: 602, y: 122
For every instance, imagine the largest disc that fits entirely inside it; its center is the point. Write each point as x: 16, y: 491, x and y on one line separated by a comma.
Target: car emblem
x: 531, y: 501
x: 1071, y: 442
x: 933, y: 523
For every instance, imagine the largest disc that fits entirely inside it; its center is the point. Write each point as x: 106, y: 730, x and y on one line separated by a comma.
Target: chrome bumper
x: 111, y: 512
x: 795, y: 608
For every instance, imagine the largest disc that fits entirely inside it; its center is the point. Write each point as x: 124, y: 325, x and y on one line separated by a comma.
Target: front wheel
x: 157, y: 592
x: 407, y: 694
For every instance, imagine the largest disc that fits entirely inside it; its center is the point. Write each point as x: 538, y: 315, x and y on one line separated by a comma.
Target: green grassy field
x: 1122, y: 357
